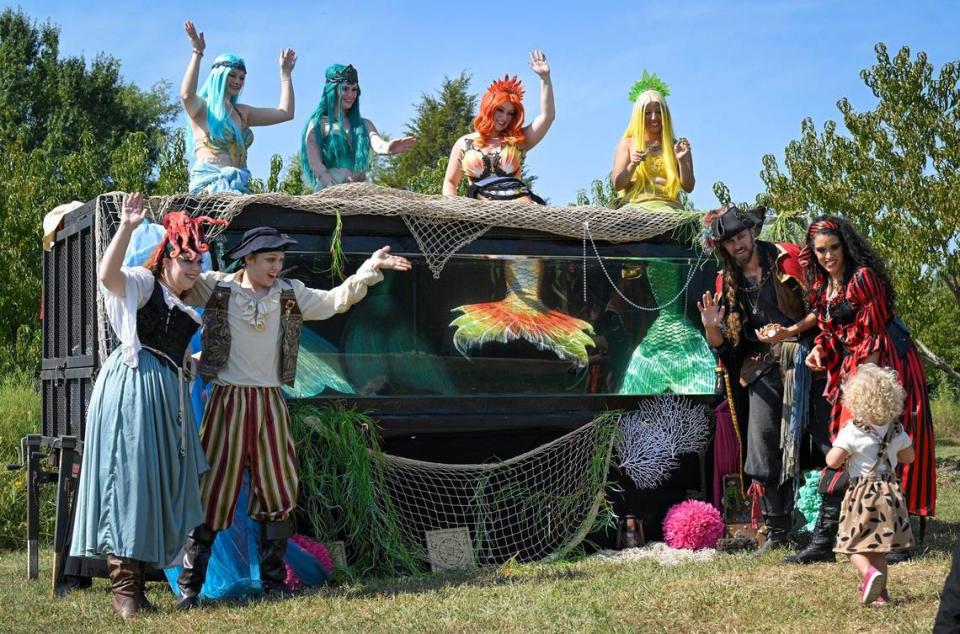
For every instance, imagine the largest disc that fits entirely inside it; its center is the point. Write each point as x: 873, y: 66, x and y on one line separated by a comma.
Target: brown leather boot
x: 145, y: 604
x: 125, y: 579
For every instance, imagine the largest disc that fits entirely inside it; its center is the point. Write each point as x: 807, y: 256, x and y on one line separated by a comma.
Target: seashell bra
x: 477, y: 165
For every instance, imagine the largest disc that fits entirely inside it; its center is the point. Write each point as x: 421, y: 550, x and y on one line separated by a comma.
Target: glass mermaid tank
x: 673, y: 356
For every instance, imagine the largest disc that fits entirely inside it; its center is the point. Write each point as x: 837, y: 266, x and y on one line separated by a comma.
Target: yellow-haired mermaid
x: 649, y: 170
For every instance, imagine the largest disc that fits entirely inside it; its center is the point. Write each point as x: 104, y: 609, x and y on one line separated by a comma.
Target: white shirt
x: 122, y: 311
x: 863, y: 448
x: 255, y: 324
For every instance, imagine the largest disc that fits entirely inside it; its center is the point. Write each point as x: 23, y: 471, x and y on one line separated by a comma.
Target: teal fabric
x: 139, y: 495
x: 210, y: 179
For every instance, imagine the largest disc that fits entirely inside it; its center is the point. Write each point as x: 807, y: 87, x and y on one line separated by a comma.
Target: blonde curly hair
x: 874, y: 395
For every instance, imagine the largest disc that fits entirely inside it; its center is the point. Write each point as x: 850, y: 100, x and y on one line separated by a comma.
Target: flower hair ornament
x: 648, y: 81
x: 239, y: 65
x: 508, y: 84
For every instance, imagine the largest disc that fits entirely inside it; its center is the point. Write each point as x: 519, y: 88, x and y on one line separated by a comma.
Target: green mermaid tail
x: 673, y: 356
x: 383, y: 354
x: 522, y: 315
x: 317, y: 368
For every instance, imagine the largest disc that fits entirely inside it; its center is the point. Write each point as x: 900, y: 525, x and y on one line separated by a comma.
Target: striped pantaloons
x: 248, y: 427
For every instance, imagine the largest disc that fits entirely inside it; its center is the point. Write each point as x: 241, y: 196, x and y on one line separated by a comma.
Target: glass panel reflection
x: 510, y: 325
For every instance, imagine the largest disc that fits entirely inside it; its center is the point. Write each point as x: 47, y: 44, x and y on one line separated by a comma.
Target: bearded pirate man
x: 753, y: 323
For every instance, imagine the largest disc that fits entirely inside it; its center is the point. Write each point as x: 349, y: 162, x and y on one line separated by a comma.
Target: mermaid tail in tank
x: 673, y: 356
x: 317, y: 368
x: 522, y: 315
x: 384, y: 353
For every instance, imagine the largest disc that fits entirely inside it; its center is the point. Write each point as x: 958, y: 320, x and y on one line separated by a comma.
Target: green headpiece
x: 649, y: 82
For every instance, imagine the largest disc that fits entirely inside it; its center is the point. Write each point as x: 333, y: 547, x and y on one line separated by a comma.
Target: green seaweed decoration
x: 649, y: 81
x: 338, y: 489
x: 337, y: 258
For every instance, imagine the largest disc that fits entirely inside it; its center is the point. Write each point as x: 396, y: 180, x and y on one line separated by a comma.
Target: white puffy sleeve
x: 122, y: 311
x: 316, y: 304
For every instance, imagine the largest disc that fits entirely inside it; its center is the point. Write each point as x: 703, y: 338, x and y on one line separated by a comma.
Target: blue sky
x: 742, y: 74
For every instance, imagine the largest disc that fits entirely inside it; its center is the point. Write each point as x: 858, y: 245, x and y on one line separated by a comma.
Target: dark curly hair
x: 857, y: 253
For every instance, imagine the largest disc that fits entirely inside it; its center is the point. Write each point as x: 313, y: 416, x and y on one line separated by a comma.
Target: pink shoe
x: 872, y: 586
x: 883, y: 599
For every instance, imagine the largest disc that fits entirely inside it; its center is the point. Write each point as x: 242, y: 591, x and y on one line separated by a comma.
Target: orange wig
x: 506, y: 90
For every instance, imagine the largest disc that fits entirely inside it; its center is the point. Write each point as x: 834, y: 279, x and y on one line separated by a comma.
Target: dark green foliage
x: 441, y: 119
x: 894, y: 171
x: 601, y: 193
x: 69, y: 130
x: 339, y: 453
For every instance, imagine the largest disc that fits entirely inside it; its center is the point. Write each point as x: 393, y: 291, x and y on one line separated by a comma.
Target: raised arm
x: 711, y: 315
x: 131, y: 215
x: 188, y: 86
x: 451, y: 180
x: 284, y: 111
x: 320, y: 304
x: 535, y: 132
x: 381, y: 146
x: 685, y: 164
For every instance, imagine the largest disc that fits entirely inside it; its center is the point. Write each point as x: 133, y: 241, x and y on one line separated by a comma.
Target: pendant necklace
x: 749, y: 290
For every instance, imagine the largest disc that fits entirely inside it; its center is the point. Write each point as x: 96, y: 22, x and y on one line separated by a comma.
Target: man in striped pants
x: 251, y: 334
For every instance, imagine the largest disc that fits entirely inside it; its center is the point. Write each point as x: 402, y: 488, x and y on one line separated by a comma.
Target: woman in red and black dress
x: 854, y: 303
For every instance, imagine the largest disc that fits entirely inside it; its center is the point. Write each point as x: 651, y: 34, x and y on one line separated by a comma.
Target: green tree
x: 600, y: 193
x: 68, y: 131
x: 439, y: 121
x: 893, y: 171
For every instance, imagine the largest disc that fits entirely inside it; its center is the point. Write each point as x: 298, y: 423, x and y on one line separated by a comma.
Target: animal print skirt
x: 873, y: 517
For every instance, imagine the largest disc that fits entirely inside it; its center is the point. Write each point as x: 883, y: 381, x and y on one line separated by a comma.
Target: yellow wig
x: 642, y: 179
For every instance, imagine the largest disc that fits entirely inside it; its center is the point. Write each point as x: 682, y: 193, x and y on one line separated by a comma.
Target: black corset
x: 165, y: 329
x: 842, y: 312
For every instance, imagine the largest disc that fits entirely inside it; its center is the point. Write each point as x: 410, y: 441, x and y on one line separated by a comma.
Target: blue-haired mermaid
x: 336, y: 143
x: 219, y: 127
x: 649, y: 170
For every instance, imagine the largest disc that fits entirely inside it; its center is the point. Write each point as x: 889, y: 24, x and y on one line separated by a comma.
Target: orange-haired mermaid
x: 491, y: 160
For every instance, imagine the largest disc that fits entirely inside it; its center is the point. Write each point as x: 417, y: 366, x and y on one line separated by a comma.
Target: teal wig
x: 212, y: 93
x: 335, y: 150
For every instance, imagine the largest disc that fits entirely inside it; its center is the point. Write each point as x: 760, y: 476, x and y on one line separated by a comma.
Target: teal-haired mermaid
x: 337, y: 141
x: 218, y: 130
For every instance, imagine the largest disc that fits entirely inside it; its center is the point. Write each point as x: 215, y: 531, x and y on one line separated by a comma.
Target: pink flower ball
x: 693, y: 525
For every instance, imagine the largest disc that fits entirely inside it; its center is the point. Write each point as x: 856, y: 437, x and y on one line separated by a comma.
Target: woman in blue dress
x: 139, y: 489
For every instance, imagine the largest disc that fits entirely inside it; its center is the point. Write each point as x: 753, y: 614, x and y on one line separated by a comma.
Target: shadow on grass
x: 478, y: 578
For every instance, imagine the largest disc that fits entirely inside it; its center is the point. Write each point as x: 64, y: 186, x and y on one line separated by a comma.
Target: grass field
x: 732, y: 593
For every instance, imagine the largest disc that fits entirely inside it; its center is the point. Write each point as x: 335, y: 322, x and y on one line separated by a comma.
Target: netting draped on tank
x: 441, y: 225
x: 534, y: 506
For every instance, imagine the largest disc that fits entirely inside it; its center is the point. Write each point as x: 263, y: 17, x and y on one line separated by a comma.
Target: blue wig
x: 212, y: 92
x: 335, y: 149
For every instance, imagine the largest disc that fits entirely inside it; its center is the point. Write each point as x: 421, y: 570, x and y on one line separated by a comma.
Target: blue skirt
x: 139, y: 490
x: 206, y: 178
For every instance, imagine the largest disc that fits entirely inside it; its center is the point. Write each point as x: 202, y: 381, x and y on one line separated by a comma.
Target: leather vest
x: 165, y: 329
x: 216, y: 338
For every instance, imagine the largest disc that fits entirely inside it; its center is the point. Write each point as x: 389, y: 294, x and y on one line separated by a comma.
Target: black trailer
x: 503, y: 400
